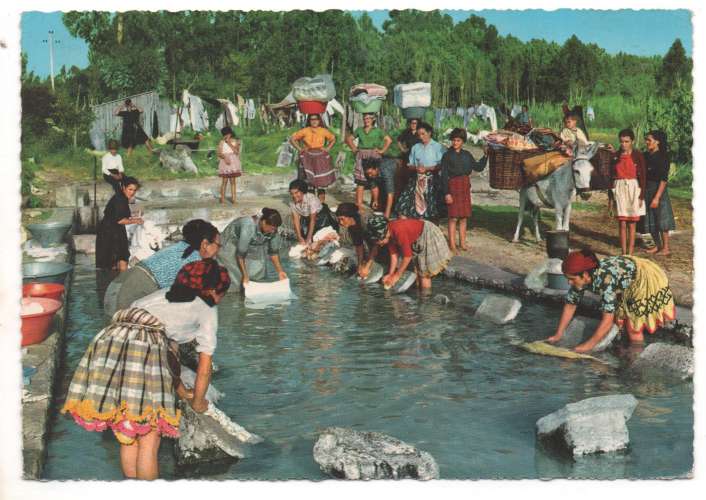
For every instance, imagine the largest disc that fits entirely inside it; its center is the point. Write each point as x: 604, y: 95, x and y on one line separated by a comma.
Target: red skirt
x: 460, y: 191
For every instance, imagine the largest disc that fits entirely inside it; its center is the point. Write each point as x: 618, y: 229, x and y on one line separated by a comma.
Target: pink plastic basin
x: 35, y: 327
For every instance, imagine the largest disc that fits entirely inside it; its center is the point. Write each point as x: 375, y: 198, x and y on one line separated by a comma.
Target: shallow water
x: 344, y: 355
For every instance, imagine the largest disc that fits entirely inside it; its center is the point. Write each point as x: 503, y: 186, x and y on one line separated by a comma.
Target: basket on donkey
x: 506, y: 167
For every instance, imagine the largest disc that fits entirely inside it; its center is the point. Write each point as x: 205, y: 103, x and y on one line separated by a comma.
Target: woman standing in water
x: 129, y: 377
x: 112, y: 246
x: 248, y: 242
x: 634, y: 293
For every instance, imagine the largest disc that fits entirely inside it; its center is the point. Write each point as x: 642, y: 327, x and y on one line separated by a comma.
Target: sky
x: 615, y: 31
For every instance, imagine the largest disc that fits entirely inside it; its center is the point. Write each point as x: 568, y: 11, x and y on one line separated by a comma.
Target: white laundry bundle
x: 318, y: 88
x: 30, y: 307
x: 325, y: 233
x: 276, y: 291
x: 413, y: 95
x: 42, y: 254
x: 145, y: 240
x: 296, y: 251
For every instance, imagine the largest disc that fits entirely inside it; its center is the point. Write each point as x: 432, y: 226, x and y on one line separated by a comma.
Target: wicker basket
x: 506, y: 167
x: 601, y: 178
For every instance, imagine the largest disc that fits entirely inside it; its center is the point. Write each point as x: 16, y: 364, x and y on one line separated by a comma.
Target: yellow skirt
x: 648, y: 303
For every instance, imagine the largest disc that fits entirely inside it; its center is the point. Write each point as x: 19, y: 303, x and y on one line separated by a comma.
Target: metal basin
x: 45, y: 272
x: 49, y: 233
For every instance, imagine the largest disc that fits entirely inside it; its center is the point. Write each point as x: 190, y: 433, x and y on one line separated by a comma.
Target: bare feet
x: 465, y: 248
x: 664, y: 252
x: 652, y: 250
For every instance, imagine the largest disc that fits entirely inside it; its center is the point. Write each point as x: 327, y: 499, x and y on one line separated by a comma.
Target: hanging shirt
x: 426, y: 155
x: 403, y: 234
x: 166, y: 263
x: 314, y: 137
x: 609, y: 280
x: 111, y: 162
x: 184, y: 321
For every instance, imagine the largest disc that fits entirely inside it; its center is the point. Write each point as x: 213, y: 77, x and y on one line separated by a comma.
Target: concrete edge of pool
x: 46, y: 356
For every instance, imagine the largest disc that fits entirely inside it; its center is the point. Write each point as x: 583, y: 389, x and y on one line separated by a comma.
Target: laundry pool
x: 404, y: 365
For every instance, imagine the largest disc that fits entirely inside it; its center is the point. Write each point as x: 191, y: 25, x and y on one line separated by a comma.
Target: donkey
x: 556, y: 191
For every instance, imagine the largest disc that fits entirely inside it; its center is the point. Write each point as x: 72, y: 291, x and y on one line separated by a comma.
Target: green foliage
x: 675, y: 69
x: 674, y: 116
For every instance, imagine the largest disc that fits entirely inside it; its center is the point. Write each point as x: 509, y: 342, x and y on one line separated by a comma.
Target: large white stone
x: 498, y: 309
x: 675, y: 360
x: 350, y: 454
x: 593, y: 425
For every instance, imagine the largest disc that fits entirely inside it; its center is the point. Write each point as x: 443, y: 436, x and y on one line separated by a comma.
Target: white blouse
x: 111, y: 161
x: 184, y: 321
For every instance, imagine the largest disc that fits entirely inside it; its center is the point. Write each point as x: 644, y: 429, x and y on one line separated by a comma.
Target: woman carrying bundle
x: 373, y: 142
x: 416, y: 241
x: 159, y: 270
x: 248, y: 242
x: 314, y: 143
x: 634, y: 293
x: 128, y: 379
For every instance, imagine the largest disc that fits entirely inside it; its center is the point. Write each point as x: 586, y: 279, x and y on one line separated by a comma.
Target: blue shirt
x: 426, y: 155
x: 165, y: 264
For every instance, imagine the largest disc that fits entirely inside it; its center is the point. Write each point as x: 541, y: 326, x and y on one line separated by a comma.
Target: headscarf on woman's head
x: 195, y: 278
x: 377, y: 227
x: 578, y: 262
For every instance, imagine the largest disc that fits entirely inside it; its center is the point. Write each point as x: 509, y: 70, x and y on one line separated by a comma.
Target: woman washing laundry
x: 634, y: 293
x: 160, y: 269
x: 129, y: 378
x: 309, y: 215
x: 247, y: 242
x: 410, y: 241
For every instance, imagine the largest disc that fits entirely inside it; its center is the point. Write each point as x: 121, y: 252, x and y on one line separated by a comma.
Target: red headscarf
x: 578, y: 262
x: 196, y: 277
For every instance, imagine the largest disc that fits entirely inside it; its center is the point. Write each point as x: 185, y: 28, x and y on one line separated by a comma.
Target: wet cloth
x: 123, y: 381
x: 314, y: 137
x: 660, y: 219
x: 242, y: 238
x: 230, y: 165
x: 132, y: 135
x: 636, y: 290
x: 317, y: 168
x: 112, y: 243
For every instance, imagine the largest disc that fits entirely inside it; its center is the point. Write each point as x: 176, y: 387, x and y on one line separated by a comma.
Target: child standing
x: 630, y: 179
x: 229, y: 165
x: 456, y: 167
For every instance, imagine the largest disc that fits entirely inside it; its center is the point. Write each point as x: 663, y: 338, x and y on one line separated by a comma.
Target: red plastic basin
x: 46, y: 290
x: 35, y: 327
x: 312, y: 107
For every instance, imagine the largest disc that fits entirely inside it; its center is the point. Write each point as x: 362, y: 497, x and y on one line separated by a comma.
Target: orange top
x: 314, y: 138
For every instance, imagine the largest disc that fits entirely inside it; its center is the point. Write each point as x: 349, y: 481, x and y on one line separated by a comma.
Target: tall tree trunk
x: 120, y: 27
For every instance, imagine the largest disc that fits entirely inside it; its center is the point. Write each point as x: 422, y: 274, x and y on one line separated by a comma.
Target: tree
x: 675, y: 68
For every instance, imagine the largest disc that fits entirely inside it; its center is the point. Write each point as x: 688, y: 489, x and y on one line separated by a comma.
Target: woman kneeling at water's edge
x: 129, y: 376
x: 634, y: 293
x: 417, y: 240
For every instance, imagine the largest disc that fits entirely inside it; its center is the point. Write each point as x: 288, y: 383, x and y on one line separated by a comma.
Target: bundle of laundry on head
x: 367, y: 97
x: 313, y: 94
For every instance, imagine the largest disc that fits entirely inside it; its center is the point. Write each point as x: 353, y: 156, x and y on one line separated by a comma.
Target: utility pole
x: 50, y: 41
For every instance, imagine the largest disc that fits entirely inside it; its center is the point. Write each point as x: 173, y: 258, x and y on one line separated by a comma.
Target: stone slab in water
x: 349, y: 454
x: 593, y: 425
x: 674, y: 360
x: 85, y: 243
x: 498, y: 309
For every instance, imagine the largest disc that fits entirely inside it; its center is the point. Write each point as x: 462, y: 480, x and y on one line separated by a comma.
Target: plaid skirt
x: 124, y: 382
x: 660, y: 219
x: 431, y: 251
x: 460, y: 191
x: 648, y: 302
x: 317, y: 168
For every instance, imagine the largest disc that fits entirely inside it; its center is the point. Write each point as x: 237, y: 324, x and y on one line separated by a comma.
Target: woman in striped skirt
x: 128, y: 379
